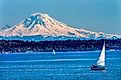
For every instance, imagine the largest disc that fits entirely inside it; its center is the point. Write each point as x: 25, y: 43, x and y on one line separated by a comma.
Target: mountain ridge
x: 46, y: 26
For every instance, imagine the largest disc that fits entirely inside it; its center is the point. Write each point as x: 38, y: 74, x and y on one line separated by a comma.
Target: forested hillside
x: 13, y: 46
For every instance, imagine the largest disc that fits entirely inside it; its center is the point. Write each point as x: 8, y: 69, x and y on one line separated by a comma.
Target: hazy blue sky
x: 94, y: 15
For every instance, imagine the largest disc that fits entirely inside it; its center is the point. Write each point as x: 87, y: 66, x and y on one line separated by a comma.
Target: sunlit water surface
x: 61, y: 66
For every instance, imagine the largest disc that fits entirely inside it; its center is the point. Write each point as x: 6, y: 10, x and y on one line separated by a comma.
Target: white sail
x: 53, y: 51
x: 101, y: 60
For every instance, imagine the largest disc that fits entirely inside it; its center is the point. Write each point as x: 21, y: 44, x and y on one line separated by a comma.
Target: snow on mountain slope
x: 46, y: 26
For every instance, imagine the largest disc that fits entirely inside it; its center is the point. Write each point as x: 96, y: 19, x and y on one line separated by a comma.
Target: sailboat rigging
x: 101, y: 61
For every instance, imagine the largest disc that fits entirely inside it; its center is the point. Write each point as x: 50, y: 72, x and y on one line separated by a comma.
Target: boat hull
x: 98, y: 67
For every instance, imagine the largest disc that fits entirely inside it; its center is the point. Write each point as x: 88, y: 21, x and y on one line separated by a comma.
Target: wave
x: 55, y: 60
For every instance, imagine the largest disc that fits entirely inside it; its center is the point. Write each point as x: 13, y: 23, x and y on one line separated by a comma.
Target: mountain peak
x: 46, y: 26
x: 39, y: 14
x: 36, y: 18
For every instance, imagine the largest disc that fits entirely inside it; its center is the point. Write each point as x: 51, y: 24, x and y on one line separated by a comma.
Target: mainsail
x: 53, y: 51
x: 101, y: 60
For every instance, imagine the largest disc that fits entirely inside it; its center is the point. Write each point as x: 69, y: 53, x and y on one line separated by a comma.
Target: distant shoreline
x: 16, y: 46
x: 57, y: 52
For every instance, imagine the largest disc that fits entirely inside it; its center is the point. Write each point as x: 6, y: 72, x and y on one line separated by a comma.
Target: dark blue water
x: 62, y: 66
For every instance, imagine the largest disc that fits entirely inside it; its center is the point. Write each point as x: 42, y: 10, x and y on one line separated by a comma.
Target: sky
x: 94, y: 15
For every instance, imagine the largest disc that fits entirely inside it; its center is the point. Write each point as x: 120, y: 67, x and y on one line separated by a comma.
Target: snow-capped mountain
x: 44, y: 27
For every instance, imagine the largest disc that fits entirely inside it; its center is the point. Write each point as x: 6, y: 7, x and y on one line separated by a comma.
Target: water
x: 61, y: 66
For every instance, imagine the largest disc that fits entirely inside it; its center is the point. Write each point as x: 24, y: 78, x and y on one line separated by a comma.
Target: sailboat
x: 53, y: 51
x: 100, y: 65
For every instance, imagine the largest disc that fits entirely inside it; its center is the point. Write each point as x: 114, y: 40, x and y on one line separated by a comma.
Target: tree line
x: 13, y: 46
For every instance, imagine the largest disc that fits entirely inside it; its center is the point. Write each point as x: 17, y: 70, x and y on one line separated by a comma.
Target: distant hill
x: 13, y: 46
